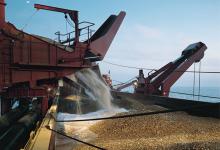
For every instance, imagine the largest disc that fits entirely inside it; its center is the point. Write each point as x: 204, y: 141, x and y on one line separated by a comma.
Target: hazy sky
x: 153, y: 33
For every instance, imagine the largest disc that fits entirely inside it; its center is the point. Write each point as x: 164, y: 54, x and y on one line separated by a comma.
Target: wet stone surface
x: 177, y: 130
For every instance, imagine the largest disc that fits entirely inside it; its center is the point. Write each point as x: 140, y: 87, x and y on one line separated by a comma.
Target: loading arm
x: 123, y: 86
x: 160, y: 82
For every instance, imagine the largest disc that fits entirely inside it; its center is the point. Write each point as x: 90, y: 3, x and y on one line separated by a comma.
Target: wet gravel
x: 162, y: 131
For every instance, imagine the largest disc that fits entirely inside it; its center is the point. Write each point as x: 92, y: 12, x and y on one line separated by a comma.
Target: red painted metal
x: 102, y: 44
x: 72, y: 13
x: 174, y: 76
x: 160, y: 82
x: 19, y: 92
x: 2, y: 13
x: 29, y: 62
x: 107, y: 79
x: 29, y: 58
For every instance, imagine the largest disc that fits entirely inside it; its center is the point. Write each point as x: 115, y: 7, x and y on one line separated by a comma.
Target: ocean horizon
x: 207, y: 94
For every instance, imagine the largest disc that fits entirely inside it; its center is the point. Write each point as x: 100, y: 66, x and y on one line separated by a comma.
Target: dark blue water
x: 207, y: 93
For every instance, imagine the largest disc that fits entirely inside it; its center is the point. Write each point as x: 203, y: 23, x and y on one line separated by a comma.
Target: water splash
x: 94, y: 87
x: 79, y: 110
x: 96, y: 91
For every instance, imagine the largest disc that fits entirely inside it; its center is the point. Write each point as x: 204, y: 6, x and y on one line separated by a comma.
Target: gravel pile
x: 162, y: 131
x: 165, y: 131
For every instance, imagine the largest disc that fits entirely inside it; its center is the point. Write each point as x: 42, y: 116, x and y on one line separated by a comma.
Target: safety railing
x: 85, y: 33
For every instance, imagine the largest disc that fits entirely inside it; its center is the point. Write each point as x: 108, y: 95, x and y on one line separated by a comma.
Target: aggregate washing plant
x: 31, y: 65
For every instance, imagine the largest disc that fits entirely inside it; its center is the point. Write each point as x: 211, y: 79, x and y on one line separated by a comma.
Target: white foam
x: 98, y: 114
x: 96, y: 89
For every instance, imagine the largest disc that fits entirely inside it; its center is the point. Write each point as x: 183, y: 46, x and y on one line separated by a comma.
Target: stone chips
x: 163, y: 131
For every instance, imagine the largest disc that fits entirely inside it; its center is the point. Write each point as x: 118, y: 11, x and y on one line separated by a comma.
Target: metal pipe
x: 2, y: 13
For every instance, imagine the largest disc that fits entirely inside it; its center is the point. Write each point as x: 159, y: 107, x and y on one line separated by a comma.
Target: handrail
x: 83, y: 22
x: 68, y: 35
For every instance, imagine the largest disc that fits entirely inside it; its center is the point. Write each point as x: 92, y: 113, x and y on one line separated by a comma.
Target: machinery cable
x: 66, y: 24
x: 114, y: 64
x: 175, y: 92
x: 151, y: 69
x: 182, y: 93
x: 139, y: 114
x: 29, y: 19
x: 200, y: 63
x: 69, y: 22
x: 194, y: 78
x: 213, y: 97
x: 75, y: 139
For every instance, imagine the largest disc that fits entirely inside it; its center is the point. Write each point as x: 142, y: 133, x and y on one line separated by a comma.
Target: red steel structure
x: 29, y: 64
x: 160, y: 81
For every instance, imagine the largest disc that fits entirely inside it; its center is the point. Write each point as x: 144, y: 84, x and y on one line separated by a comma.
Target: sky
x: 154, y: 32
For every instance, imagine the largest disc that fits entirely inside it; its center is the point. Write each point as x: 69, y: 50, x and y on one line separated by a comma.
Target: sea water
x: 207, y: 94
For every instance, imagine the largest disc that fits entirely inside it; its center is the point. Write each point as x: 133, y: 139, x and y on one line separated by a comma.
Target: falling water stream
x: 97, y: 89
x: 96, y: 92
